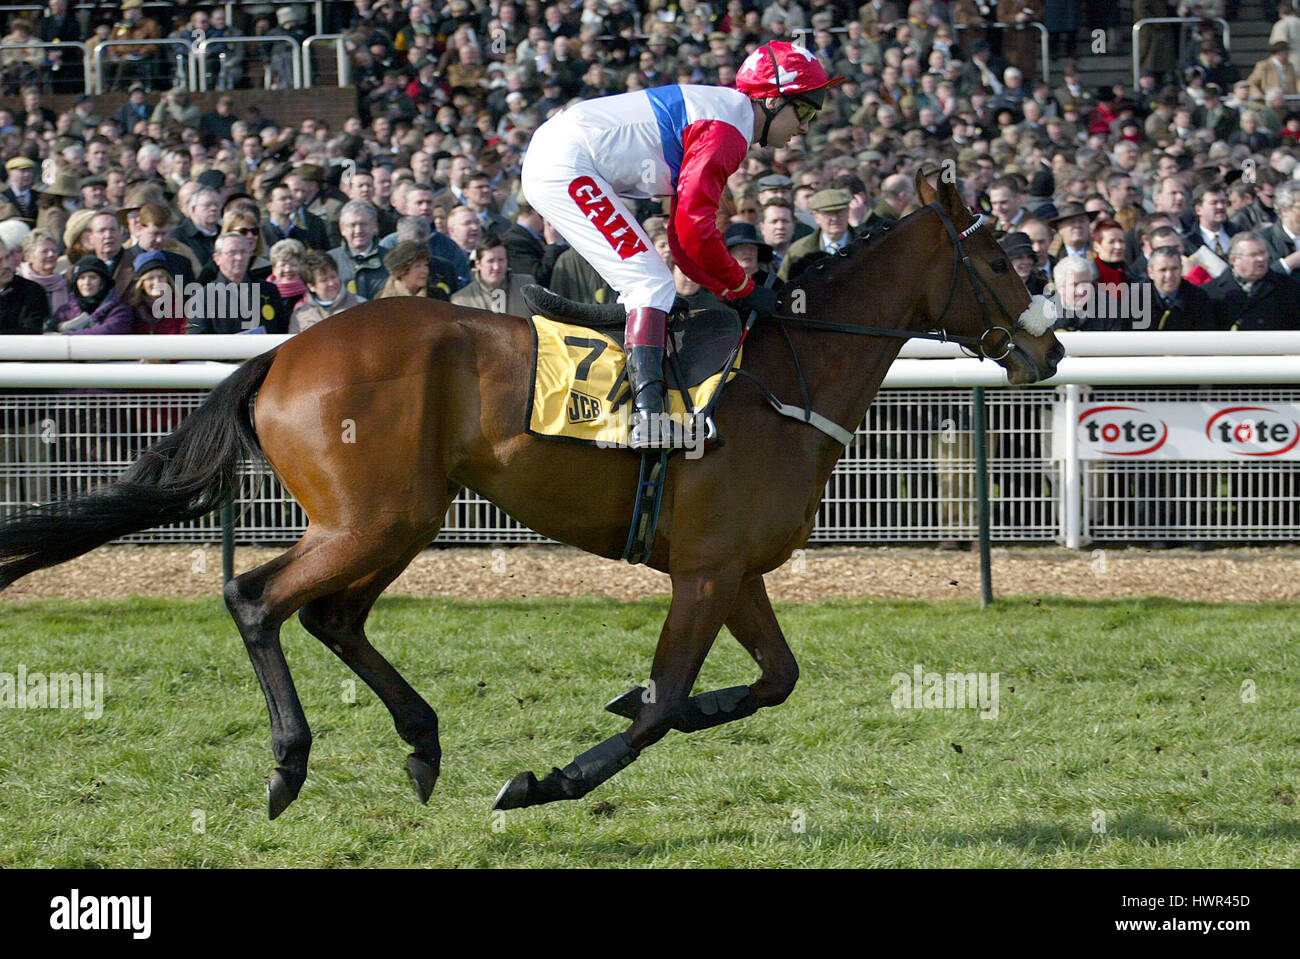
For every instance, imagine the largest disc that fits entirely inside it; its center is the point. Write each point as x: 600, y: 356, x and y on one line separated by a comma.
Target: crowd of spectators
x: 1188, y: 183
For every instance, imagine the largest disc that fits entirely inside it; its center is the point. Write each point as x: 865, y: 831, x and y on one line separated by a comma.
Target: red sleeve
x: 711, y: 151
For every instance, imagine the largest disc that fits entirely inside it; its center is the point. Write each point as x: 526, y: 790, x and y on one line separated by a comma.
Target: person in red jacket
x: 677, y: 141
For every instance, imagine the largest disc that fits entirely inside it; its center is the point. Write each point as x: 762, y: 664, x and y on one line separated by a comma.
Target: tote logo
x: 1122, y: 430
x: 1252, y: 431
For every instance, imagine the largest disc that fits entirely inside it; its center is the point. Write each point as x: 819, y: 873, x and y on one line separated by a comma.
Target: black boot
x: 648, y: 426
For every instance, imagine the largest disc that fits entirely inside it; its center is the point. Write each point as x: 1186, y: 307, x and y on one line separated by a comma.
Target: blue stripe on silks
x: 669, y: 106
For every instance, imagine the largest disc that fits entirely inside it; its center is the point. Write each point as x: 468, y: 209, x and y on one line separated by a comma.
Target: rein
x: 974, y: 344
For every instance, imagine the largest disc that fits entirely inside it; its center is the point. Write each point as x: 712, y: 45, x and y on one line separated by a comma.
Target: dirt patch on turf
x: 1226, y: 575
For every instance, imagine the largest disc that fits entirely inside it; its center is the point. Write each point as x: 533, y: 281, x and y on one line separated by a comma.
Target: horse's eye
x: 999, y: 266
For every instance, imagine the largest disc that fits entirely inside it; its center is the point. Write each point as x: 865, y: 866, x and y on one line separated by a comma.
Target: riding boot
x: 645, y: 339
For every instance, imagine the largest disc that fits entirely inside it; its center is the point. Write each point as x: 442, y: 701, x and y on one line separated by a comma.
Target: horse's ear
x: 924, y: 191
x: 950, y: 197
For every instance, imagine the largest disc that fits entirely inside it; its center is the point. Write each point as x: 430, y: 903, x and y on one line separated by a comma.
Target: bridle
x: 982, y: 347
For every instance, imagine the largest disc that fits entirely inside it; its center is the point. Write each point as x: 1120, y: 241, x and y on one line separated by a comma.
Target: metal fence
x: 909, y: 475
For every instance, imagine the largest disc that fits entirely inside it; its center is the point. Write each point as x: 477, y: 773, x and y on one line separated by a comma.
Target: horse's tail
x: 186, y: 474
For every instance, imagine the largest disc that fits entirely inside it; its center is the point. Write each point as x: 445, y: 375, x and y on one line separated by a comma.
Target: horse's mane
x: 817, y: 270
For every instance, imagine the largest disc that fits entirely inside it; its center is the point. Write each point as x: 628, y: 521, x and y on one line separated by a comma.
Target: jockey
x: 678, y: 141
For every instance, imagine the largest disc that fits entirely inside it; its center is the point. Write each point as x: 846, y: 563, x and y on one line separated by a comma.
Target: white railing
x: 908, y: 476
x: 98, y: 56
x: 55, y: 45
x: 340, y: 49
x: 200, y: 51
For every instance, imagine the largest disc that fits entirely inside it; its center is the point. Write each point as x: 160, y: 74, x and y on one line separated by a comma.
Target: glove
x: 762, y: 300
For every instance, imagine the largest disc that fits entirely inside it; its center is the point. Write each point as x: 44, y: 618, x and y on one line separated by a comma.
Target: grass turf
x: 1124, y: 737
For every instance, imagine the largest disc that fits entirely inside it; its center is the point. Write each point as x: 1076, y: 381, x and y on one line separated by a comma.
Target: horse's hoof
x: 278, y: 794
x: 517, y: 793
x: 627, y: 705
x: 424, y: 776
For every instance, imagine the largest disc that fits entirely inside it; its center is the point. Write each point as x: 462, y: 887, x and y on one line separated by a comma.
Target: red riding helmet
x: 781, y: 69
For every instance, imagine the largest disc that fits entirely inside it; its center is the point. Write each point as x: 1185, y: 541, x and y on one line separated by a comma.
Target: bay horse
x: 375, y: 419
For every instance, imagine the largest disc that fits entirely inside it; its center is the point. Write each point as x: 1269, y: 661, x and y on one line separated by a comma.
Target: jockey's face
x: 785, y: 124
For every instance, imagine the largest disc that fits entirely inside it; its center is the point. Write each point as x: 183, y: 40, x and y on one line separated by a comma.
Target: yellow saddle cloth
x: 579, y: 393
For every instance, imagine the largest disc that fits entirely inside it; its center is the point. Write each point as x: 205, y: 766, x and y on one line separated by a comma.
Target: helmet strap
x: 769, y: 115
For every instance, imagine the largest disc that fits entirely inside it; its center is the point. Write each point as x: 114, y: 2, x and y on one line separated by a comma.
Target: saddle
x: 699, y: 341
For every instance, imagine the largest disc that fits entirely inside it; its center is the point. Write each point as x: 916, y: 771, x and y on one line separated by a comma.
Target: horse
x: 377, y: 418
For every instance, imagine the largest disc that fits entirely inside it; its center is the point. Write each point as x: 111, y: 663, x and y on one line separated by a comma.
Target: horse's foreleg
x: 754, y: 625
x: 338, y: 621
x: 701, y: 602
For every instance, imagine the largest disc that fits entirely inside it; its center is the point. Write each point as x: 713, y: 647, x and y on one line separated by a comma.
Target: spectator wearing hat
x: 95, y: 307
x: 1039, y: 204
x: 750, y: 250
x: 24, y: 307
x: 135, y: 110
x: 94, y: 192
x: 1073, y: 90
x: 153, y: 277
x: 53, y: 203
x: 830, y: 208
x: 316, y: 206
x: 1250, y: 296
x: 1020, y: 251
x: 84, y: 121
x: 1275, y: 70
x: 1215, y: 115
x: 983, y: 70
x: 1073, y: 226
x: 495, y: 287
x: 21, y: 171
x: 134, y: 61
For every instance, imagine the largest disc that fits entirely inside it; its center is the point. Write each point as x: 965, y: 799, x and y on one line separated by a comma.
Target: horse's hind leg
x: 260, y: 600
x: 753, y: 623
x: 338, y: 621
x: 701, y: 603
